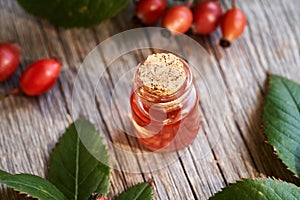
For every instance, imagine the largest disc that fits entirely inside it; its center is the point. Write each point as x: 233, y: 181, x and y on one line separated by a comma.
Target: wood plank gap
x: 186, y: 175
x: 212, y: 150
x: 231, y: 105
x: 259, y: 61
x: 209, y: 143
x: 292, y: 25
x: 115, y: 103
x: 248, y: 149
x: 197, y: 170
x: 59, y: 83
x: 263, y: 164
x: 98, y: 108
x: 102, y: 118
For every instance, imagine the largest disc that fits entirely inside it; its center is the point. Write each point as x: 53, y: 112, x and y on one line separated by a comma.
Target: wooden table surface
x: 30, y: 126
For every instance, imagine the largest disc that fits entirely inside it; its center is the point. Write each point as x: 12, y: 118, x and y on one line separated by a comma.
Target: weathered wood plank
x: 30, y: 126
x: 28, y: 133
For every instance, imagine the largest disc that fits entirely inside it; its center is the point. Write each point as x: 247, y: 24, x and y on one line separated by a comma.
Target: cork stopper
x: 162, y: 74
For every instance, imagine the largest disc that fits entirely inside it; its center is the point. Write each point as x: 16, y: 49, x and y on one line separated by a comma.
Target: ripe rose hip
x: 178, y: 19
x: 207, y: 15
x: 150, y: 11
x: 40, y: 76
x: 233, y: 24
x: 9, y: 59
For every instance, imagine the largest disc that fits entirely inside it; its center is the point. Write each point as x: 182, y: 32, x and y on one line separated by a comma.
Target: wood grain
x: 230, y: 146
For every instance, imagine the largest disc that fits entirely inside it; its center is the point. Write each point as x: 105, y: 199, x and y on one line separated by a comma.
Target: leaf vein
x: 282, y: 133
x: 27, y: 185
x: 287, y: 125
x: 288, y: 135
x: 88, y: 175
x: 76, y: 165
x: 63, y: 165
x: 141, y: 191
x: 284, y: 147
x: 284, y: 111
x: 292, y: 96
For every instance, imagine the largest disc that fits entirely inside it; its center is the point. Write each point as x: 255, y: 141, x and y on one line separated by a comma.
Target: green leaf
x: 74, y: 169
x: 260, y: 189
x: 142, y: 191
x: 3, y: 173
x: 34, y: 186
x: 281, y: 118
x: 74, y: 13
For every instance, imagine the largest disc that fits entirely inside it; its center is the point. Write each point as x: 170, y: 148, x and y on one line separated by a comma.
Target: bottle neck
x: 147, y: 97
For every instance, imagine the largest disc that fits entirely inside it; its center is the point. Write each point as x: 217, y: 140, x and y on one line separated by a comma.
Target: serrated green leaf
x: 3, y: 173
x: 74, y: 169
x: 35, y: 186
x: 260, y: 189
x: 73, y: 13
x: 142, y: 191
x: 281, y: 118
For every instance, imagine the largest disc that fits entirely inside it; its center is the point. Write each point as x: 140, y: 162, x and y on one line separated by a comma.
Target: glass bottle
x: 164, y: 103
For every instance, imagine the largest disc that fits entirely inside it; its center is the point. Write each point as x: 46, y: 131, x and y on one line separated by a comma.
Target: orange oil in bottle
x: 165, y: 120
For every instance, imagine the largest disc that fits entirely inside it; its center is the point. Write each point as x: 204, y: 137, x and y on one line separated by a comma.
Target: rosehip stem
x: 12, y: 92
x: 189, y: 3
x: 233, y: 4
x: 225, y: 43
